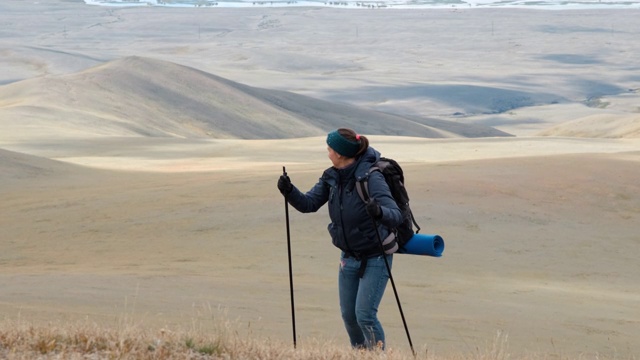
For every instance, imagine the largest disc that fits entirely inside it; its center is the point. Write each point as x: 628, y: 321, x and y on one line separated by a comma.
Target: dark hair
x: 354, y: 137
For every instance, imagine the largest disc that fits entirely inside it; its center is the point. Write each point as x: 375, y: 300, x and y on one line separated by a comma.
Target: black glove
x: 373, y: 209
x: 284, y: 185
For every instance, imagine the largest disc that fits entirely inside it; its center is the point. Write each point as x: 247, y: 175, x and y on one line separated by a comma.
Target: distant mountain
x: 137, y: 96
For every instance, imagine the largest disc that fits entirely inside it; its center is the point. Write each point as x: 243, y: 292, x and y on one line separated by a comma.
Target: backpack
x: 394, y: 176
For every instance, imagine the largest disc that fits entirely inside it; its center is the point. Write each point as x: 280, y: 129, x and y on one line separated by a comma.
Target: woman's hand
x: 373, y: 209
x: 284, y: 185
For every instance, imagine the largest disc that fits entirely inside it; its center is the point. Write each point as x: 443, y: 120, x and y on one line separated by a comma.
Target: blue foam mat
x: 424, y: 244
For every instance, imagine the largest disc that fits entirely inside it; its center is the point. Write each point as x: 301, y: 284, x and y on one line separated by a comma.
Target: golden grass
x: 85, y: 340
x: 90, y: 341
x: 128, y: 339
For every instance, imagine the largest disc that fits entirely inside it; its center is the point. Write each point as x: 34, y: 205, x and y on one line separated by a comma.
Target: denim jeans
x: 360, y: 298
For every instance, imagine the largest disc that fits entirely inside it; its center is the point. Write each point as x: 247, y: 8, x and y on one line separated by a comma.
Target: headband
x: 343, y: 146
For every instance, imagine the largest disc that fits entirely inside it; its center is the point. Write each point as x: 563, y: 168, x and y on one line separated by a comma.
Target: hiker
x: 363, y: 274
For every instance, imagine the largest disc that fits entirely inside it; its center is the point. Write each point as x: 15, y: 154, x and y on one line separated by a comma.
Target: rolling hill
x: 136, y: 96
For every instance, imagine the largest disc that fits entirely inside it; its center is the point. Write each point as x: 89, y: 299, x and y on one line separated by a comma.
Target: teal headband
x: 341, y: 145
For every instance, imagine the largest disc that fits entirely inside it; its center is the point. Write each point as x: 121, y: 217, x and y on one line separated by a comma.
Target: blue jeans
x: 360, y: 298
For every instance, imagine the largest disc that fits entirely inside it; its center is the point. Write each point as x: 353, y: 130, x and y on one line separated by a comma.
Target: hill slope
x: 137, y: 96
x: 599, y: 126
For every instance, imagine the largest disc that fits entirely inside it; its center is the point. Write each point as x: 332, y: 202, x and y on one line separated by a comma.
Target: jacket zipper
x: 344, y: 234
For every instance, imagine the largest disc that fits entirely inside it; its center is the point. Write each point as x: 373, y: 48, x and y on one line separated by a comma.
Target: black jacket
x: 351, y: 228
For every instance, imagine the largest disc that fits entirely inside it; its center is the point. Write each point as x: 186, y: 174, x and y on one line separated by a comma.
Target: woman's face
x: 333, y: 156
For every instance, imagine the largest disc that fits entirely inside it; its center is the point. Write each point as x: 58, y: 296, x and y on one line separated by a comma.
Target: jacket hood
x: 365, y: 162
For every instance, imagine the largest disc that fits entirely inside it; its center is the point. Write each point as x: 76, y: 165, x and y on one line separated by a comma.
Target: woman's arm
x: 379, y: 190
x: 310, y: 201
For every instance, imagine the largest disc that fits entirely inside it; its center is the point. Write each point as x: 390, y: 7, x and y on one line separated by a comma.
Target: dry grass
x: 90, y: 341
x: 20, y: 340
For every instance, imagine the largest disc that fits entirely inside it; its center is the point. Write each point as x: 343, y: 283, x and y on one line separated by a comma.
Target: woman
x: 363, y: 274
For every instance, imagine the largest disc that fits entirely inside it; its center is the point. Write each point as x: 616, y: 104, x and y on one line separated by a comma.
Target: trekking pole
x: 286, y: 212
x: 393, y: 284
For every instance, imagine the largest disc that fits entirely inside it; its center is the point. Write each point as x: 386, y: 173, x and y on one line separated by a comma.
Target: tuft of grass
x: 207, y: 349
x: 211, y: 349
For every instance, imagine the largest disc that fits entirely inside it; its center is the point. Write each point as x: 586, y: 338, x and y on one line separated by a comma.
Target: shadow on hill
x: 15, y: 166
x: 470, y: 99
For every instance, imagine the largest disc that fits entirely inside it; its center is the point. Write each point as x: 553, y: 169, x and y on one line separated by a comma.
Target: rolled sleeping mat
x: 423, y: 244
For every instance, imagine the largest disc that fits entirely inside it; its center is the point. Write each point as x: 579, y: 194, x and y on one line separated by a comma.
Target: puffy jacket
x: 351, y: 228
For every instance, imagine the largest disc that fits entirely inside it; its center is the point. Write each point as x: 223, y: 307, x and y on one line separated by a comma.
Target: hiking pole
x: 286, y: 213
x: 393, y: 284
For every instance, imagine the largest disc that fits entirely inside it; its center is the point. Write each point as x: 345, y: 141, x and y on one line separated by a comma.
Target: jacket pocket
x: 336, y: 235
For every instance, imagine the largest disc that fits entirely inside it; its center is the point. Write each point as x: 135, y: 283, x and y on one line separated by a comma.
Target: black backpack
x: 394, y: 176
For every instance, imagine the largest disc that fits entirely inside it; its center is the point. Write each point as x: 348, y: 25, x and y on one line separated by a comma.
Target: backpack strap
x: 413, y: 220
x: 362, y: 186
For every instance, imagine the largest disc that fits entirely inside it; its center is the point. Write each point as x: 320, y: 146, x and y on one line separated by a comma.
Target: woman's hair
x: 354, y: 137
